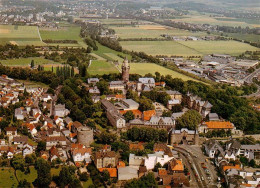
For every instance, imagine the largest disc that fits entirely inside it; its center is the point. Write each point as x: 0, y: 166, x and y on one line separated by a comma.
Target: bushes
x: 146, y: 134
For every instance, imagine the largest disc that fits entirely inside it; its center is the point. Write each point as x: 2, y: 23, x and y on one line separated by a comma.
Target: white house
x: 82, y: 154
x: 27, y: 149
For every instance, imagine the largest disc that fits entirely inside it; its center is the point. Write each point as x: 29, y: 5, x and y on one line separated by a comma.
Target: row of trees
x: 145, y: 134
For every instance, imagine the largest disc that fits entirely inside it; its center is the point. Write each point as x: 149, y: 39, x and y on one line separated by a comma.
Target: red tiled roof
x: 112, y: 171
x: 219, y: 125
x: 148, y: 114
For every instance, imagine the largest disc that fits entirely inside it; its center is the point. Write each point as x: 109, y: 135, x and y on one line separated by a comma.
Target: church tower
x: 125, y: 70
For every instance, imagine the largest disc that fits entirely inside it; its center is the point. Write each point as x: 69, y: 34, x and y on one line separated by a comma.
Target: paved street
x: 197, y: 158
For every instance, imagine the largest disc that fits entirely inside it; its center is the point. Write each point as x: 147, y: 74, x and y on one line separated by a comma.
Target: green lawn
x: 159, y: 48
x: 106, y: 52
x: 221, y: 47
x: 20, y: 35
x: 87, y: 183
x: 65, y: 32
x: 7, y: 178
x: 151, y: 31
x: 101, y: 67
x: 26, y: 61
x: 29, y: 177
x: 145, y: 68
x: 55, y: 171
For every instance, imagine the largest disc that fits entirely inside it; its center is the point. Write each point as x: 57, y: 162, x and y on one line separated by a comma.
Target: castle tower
x: 85, y: 136
x: 125, y: 71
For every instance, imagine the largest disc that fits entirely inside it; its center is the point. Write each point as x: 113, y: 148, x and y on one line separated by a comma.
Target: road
x: 249, y: 78
x: 196, y: 158
x: 193, y: 179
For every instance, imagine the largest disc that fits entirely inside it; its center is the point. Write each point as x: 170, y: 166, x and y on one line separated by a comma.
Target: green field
x: 187, y: 48
x: 65, y: 32
x: 27, y: 61
x: 207, y: 18
x: 151, y: 31
x: 109, y: 54
x: 101, y: 67
x: 247, y: 37
x: 7, y: 178
x: 159, y: 48
x: 221, y: 47
x: 20, y: 35
x: 145, y: 68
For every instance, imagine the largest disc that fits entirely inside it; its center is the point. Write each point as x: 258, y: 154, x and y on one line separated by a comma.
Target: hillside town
x: 129, y: 94
x: 178, y: 157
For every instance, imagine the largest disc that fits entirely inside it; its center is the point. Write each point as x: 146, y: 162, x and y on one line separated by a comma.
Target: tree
x: 157, y: 166
x: 18, y: 162
x: 129, y: 115
x: 89, y: 49
x: 145, y: 104
x: 103, y: 87
x: 105, y: 174
x: 43, y: 173
x: 106, y: 138
x: 144, y: 182
x: 177, y: 108
x: 83, y: 176
x: 190, y: 120
x: 252, y: 163
x: 24, y: 184
x: 40, y: 147
x: 32, y: 64
x: 67, y: 175
x: 167, y: 113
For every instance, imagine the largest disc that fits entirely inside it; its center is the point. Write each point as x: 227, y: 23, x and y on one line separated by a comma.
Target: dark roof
x: 110, y: 154
x: 77, y: 124
x: 20, y: 139
x: 10, y: 129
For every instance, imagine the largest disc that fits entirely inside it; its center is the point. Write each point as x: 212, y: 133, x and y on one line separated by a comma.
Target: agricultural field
x: 151, y: 31
x: 206, y: 18
x: 116, y: 21
x: 20, y: 35
x: 65, y: 32
x: 109, y: 54
x: 145, y: 68
x: 247, y: 37
x: 101, y: 67
x: 221, y: 47
x: 160, y: 48
x: 187, y: 48
x: 7, y: 178
x: 24, y: 62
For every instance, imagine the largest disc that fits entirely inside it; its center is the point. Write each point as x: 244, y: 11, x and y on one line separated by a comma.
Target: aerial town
x: 129, y: 94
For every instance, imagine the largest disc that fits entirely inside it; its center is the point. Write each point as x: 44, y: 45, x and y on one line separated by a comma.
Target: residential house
x: 212, y: 147
x: 93, y: 81
x: 82, y: 154
x: 20, y: 140
x: 11, y: 131
x: 60, y: 110
x: 105, y: 159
